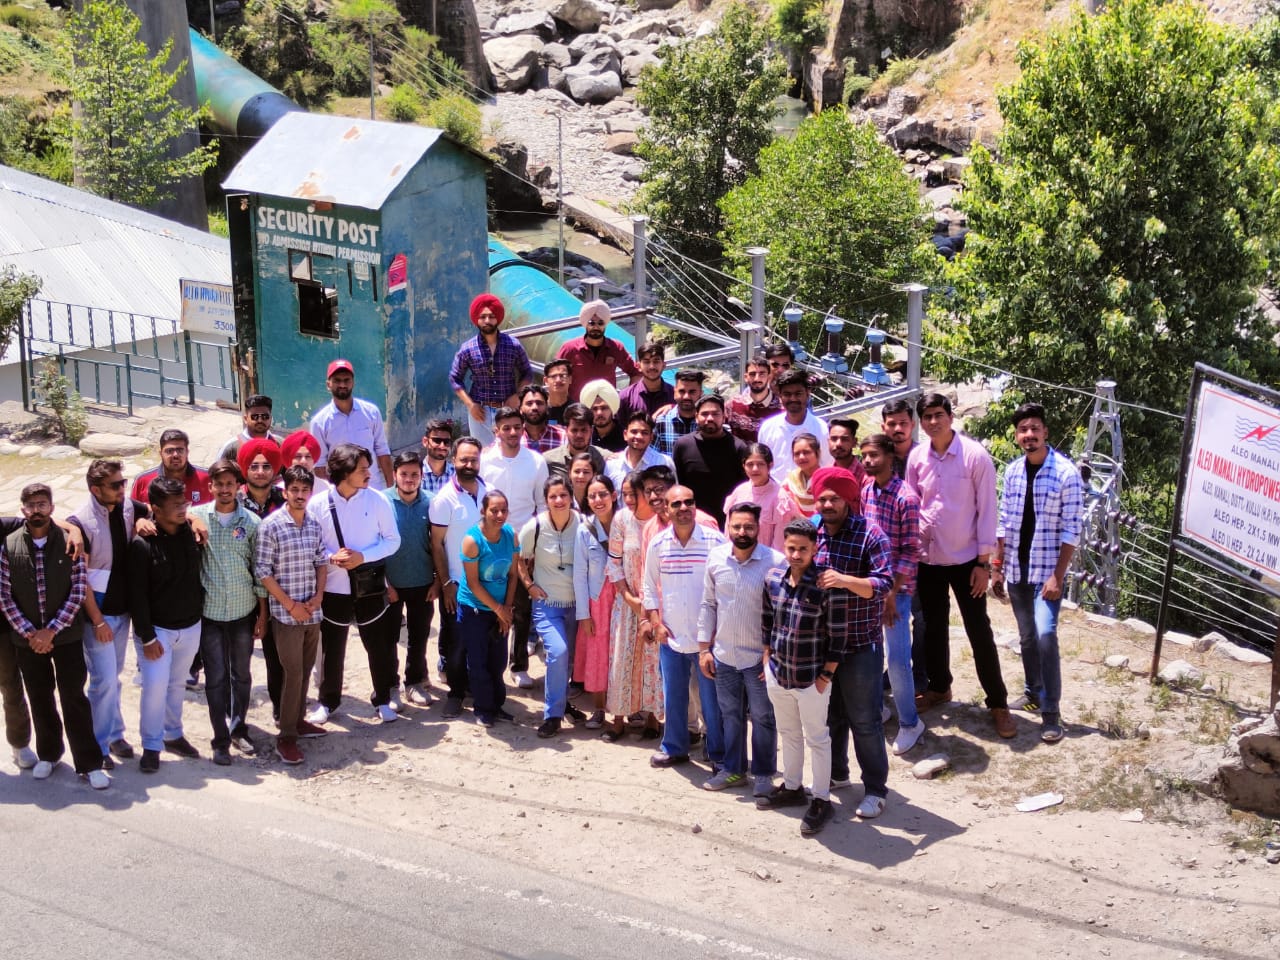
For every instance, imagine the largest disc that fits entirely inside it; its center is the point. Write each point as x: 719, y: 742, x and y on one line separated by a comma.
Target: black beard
x: 538, y: 421
x: 745, y: 543
x: 466, y: 474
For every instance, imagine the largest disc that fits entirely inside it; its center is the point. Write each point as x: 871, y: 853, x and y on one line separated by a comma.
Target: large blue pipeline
x: 244, y: 105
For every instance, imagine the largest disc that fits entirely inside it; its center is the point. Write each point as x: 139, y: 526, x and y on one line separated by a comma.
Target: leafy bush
x: 20, y: 16
x: 800, y: 24
x: 403, y: 105
x: 64, y: 401
x: 455, y: 115
x: 855, y: 85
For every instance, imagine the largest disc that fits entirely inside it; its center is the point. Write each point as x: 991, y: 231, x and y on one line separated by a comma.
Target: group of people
x: 689, y: 566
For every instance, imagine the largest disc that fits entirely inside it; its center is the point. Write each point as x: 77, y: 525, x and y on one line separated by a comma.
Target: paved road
x: 161, y: 870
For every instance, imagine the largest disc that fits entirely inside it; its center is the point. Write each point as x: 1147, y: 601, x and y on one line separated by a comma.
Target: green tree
x: 127, y: 117
x: 841, y: 218
x: 15, y: 290
x: 711, y: 108
x: 1128, y: 222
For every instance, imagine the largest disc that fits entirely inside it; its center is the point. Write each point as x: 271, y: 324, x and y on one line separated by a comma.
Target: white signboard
x: 1231, y: 501
x: 208, y: 308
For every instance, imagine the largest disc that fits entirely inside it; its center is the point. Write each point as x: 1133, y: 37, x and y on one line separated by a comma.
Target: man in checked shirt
x: 498, y: 365
x: 1036, y: 536
x: 857, y: 558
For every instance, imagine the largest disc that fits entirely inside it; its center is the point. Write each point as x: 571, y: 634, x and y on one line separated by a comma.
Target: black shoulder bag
x: 368, y: 579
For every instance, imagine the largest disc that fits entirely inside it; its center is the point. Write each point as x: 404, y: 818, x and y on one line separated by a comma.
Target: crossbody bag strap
x: 337, y: 527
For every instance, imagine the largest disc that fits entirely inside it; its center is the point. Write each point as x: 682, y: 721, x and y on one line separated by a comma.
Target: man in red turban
x: 839, y: 480
x: 259, y: 461
x: 497, y: 364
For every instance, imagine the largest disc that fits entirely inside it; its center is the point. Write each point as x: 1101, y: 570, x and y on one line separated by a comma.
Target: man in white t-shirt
x: 778, y: 431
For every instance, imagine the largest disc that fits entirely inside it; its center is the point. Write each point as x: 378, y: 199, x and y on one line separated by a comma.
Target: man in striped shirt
x: 674, y: 570
x: 1036, y: 536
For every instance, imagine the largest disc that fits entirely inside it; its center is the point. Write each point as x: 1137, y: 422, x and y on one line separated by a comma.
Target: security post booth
x: 356, y: 239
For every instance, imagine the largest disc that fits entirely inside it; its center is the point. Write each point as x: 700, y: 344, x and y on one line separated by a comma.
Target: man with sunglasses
x: 593, y: 356
x: 257, y: 426
x: 498, y: 366
x: 437, y: 469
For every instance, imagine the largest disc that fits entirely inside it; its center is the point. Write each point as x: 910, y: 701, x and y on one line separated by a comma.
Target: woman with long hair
x: 581, y: 472
x: 795, y: 502
x: 594, y: 593
x: 634, y: 683
x: 546, y: 569
x: 484, y: 605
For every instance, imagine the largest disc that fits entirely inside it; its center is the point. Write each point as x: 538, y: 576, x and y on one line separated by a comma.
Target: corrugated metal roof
x: 91, y: 251
x: 311, y: 156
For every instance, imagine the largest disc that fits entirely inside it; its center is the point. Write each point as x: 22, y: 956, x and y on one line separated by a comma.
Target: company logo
x: 1250, y: 431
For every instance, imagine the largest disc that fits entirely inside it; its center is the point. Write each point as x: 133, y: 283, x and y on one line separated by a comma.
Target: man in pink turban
x: 497, y: 364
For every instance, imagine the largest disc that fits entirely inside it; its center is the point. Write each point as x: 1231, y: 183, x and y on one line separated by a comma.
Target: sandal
x: 614, y: 732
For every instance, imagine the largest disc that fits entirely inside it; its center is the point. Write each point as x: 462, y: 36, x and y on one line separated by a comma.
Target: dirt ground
x: 951, y: 868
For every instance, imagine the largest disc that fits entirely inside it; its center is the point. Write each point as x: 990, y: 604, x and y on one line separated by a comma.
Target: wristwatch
x: 827, y: 674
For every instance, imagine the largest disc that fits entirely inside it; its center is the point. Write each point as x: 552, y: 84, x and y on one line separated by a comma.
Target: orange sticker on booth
x: 398, y: 273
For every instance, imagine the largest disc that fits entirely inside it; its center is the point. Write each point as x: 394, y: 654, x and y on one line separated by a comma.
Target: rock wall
x: 456, y: 24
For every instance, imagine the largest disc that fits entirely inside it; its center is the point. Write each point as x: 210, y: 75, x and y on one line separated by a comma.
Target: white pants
x: 801, y: 715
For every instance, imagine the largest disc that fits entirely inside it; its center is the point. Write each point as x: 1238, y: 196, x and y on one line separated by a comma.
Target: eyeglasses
x: 260, y: 417
x: 438, y: 439
x: 677, y: 504
x: 115, y: 485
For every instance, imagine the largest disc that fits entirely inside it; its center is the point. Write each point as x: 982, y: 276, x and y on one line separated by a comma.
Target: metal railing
x: 115, y: 358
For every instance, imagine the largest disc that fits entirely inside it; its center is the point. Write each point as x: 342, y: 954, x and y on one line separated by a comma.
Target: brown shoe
x: 933, y: 698
x: 1004, y: 722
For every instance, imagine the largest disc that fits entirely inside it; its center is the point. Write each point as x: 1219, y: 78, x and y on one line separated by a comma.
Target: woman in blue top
x: 484, y: 605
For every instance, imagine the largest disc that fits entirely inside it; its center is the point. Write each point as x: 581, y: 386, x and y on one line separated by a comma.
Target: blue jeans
x: 557, y: 628
x: 855, y: 706
x: 897, y: 644
x: 675, y: 669
x: 226, y: 647
x: 164, y: 684
x: 486, y: 647
x: 736, y: 692
x: 104, y: 662
x: 1038, y: 629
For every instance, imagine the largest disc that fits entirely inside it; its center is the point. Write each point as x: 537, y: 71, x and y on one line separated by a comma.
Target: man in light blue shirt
x: 411, y: 579
x: 348, y: 419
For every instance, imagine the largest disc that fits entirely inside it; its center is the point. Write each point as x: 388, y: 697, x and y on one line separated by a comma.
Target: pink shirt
x: 766, y: 498
x: 957, y: 492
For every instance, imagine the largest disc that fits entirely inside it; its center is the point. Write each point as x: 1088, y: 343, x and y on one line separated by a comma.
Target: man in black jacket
x: 41, y: 592
x: 166, y: 600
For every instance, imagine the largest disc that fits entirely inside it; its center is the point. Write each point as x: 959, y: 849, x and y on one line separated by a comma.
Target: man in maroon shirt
x: 174, y: 446
x: 593, y: 356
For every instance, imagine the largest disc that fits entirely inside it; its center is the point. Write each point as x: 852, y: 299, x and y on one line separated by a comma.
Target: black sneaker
x: 781, y: 796
x: 816, y: 817
x: 150, y: 761
x: 452, y: 709
x: 107, y: 762
x: 573, y: 713
x: 183, y: 748
x: 506, y: 716
x: 121, y: 749
x: 550, y: 727
x: 222, y: 756
x: 485, y: 719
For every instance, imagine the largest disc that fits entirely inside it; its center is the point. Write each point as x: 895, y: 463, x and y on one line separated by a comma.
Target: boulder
x: 1133, y: 623
x: 655, y: 4
x: 824, y: 80
x: 1240, y: 654
x: 509, y: 186
x: 1181, y: 639
x: 557, y: 55
x: 8, y: 448
x: 641, y: 28
x: 623, y: 144
x: 113, y: 445
x: 59, y: 451
x: 582, y: 15
x: 623, y: 124
x: 1260, y: 747
x: 955, y: 169
x: 634, y: 65
x: 535, y: 22
x: 1116, y: 661
x: 593, y: 87
x: 514, y: 60
x: 1179, y: 671
x: 598, y: 60
x: 1246, y: 790
x: 582, y: 44
x: 633, y: 172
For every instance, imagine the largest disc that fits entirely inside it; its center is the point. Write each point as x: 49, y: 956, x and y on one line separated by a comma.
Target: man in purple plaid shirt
x: 539, y: 435
x: 858, y: 559
x: 1036, y: 536
x: 498, y: 365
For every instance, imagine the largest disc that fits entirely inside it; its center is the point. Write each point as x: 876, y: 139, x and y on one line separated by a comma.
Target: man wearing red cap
x: 348, y: 419
x: 235, y: 607
x: 498, y: 365
x: 857, y: 559
x: 593, y: 356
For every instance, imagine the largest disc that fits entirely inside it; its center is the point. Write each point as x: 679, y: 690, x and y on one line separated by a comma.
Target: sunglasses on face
x: 260, y: 417
x: 115, y: 485
x: 437, y: 439
x: 678, y: 504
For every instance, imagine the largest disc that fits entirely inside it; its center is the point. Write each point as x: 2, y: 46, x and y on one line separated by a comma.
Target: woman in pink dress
x: 634, y: 683
x: 594, y: 593
x: 795, y: 502
x: 759, y: 488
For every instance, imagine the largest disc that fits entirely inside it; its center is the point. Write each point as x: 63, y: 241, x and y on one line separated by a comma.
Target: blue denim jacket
x: 590, y: 554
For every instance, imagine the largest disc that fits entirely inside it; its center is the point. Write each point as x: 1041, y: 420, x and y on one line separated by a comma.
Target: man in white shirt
x: 639, y: 452
x: 521, y: 474
x: 778, y: 431
x: 358, y: 530
x: 454, y: 511
x: 348, y: 419
x: 674, y: 568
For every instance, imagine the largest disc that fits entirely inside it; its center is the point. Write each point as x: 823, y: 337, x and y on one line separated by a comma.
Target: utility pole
x: 560, y: 191
x: 373, y: 83
x: 213, y: 23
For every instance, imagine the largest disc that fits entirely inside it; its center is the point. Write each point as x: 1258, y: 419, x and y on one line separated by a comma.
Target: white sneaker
x: 319, y: 714
x: 98, y: 779
x: 907, y: 738
x: 870, y: 807
x: 522, y: 679
x: 387, y: 713
x: 419, y: 695
x: 395, y: 702
x: 42, y: 770
x: 841, y: 784
x: 25, y: 758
